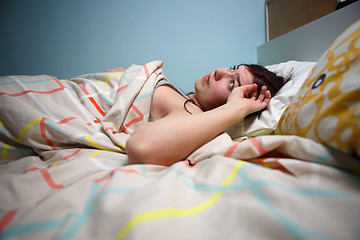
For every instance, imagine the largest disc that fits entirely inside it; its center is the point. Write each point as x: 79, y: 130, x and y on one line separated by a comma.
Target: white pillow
x: 265, y: 122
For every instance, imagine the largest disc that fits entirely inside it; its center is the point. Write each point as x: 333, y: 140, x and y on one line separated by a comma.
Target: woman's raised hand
x: 246, y: 96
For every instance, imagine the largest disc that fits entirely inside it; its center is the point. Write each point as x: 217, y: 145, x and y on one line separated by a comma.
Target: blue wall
x: 72, y: 37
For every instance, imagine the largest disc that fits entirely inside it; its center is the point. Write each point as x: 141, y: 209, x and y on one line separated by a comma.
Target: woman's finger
x: 253, y: 93
x: 262, y: 93
x: 261, y: 97
x: 267, y: 96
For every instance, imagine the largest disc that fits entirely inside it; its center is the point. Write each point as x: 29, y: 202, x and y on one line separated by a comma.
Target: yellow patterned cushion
x: 327, y: 106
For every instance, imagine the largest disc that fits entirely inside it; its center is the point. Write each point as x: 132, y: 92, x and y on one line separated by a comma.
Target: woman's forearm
x: 178, y: 135
x: 174, y: 137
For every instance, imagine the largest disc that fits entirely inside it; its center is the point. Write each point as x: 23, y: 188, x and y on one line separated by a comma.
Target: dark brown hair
x: 264, y: 77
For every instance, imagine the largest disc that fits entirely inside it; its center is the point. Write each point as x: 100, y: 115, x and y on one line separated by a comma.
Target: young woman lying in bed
x: 182, y: 123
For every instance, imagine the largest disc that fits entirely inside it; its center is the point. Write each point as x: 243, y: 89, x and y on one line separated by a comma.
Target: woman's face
x: 213, y: 90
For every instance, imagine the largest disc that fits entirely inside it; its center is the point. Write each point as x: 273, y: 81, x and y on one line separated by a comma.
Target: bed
x: 291, y: 172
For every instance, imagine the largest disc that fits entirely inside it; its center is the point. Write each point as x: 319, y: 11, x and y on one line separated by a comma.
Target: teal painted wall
x: 72, y: 37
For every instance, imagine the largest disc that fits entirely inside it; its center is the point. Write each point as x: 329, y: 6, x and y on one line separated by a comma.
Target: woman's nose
x: 220, y: 73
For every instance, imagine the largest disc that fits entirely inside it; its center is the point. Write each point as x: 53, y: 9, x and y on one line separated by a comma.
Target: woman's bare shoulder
x: 167, y: 101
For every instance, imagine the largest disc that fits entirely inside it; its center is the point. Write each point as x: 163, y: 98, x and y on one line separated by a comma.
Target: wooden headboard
x: 309, y: 42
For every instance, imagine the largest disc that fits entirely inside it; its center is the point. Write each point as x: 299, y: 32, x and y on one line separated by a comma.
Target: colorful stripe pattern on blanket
x: 91, y: 195
x: 95, y: 110
x: 66, y: 175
